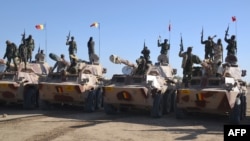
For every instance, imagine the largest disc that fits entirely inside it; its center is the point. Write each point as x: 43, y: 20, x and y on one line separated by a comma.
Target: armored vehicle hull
x: 214, y: 93
x: 82, y: 88
x: 152, y: 90
x: 21, y: 86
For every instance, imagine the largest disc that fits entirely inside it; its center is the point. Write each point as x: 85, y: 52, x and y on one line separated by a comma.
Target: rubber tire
x: 167, y: 102
x: 243, y: 99
x: 30, y: 99
x: 90, y: 105
x: 179, y: 113
x: 99, y: 99
x: 235, y: 114
x: 110, y: 109
x: 157, y: 109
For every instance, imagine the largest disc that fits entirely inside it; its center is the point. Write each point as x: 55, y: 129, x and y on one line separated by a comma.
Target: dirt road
x: 72, y: 124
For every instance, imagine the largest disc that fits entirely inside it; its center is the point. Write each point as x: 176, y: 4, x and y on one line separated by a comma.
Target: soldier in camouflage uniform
x: 164, y: 48
x: 232, y: 45
x: 30, y: 43
x: 209, y: 45
x: 72, y: 47
x: 40, y: 57
x: 22, y: 53
x: 142, y: 66
x: 11, y: 50
x: 91, y: 49
x: 146, y: 53
x: 187, y: 65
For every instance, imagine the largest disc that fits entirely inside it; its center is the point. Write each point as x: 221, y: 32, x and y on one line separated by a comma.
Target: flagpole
x: 99, y: 39
x: 169, y: 36
x: 45, y: 41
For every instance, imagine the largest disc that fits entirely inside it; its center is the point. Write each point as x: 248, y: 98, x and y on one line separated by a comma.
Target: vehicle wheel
x: 179, y: 113
x: 30, y: 99
x: 235, y: 114
x: 99, y: 99
x: 90, y: 102
x: 157, y: 109
x: 243, y: 99
x: 167, y: 97
x: 110, y: 109
x: 44, y: 105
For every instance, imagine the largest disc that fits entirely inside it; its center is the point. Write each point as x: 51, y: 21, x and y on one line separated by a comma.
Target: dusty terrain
x: 72, y: 124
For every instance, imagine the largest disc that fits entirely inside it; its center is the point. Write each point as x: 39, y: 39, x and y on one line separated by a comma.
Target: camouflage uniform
x: 22, y: 53
x: 72, y: 47
x: 73, y: 67
x: 187, y: 65
x: 91, y: 49
x: 142, y: 66
x: 146, y: 53
x: 232, y: 45
x: 218, y: 51
x: 11, y: 53
x: 30, y: 43
x: 164, y: 48
x: 209, y: 45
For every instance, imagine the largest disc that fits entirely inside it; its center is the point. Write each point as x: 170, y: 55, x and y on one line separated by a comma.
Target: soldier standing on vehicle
x: 232, y: 45
x: 91, y: 48
x: 30, y: 43
x: 22, y: 54
x: 73, y: 65
x: 72, y: 47
x: 164, y: 48
x: 146, y: 53
x: 218, y: 51
x: 11, y: 50
x: 187, y: 65
x: 40, y: 56
x: 61, y: 64
x: 209, y: 45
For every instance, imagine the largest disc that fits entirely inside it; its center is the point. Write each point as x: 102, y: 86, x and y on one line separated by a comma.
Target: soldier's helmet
x: 166, y: 40
x: 62, y: 55
x: 209, y: 38
x: 189, y: 49
x: 233, y: 37
x: 30, y: 36
x: 8, y: 42
x: 72, y: 37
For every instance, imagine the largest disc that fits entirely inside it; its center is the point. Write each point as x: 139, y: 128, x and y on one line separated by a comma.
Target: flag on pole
x: 233, y: 18
x: 39, y: 26
x: 95, y: 24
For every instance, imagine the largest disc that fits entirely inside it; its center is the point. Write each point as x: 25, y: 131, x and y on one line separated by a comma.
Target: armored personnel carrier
x: 21, y: 86
x: 141, y: 86
x: 80, y: 87
x: 215, y: 89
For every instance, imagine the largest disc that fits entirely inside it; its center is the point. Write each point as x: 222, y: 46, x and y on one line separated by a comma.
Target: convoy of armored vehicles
x: 149, y: 87
x: 216, y: 90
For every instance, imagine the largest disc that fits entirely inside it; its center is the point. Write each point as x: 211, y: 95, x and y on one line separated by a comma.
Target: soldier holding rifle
x: 232, y: 44
x: 72, y: 46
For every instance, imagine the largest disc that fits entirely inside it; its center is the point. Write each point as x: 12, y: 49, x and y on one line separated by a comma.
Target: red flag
x: 169, y: 27
x: 233, y: 18
x: 39, y: 26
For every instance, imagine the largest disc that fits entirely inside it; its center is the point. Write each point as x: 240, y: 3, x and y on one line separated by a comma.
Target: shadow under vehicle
x: 215, y: 89
x: 151, y: 88
x: 21, y: 86
x: 82, y: 88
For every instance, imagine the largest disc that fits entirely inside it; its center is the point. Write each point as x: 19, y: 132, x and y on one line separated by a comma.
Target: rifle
x: 23, y: 37
x: 226, y: 34
x: 68, y: 36
x: 202, y: 32
x: 181, y: 45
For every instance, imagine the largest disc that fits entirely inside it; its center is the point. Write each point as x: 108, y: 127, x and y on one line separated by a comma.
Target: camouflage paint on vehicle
x: 222, y: 93
x: 150, y: 91
x: 21, y: 86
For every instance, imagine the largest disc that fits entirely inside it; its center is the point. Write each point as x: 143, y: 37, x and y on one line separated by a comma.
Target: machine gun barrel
x: 117, y: 60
